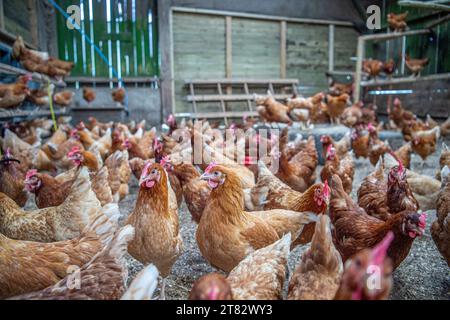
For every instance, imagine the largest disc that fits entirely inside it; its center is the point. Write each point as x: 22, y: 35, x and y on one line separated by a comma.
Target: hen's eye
x: 217, y: 173
x: 154, y: 171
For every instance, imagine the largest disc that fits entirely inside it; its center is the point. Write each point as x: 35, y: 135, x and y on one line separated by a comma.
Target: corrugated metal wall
x: 124, y: 30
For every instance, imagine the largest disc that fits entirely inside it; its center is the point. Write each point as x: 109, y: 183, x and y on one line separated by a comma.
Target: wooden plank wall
x: 345, y: 40
x: 307, y: 56
x: 200, y: 51
x: 256, y: 48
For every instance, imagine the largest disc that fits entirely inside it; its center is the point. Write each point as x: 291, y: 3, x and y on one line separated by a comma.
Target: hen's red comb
x: 164, y: 161
x: 31, y: 173
x: 423, y: 220
x: 210, y: 166
x: 145, y: 169
x: 248, y: 160
x: 400, y: 164
x: 74, y: 150
x: 326, y: 189
x: 73, y: 132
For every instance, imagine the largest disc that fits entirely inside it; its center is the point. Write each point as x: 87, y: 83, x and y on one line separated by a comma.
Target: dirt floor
x: 422, y: 275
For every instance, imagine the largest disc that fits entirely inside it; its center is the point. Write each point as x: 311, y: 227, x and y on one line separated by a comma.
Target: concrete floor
x: 422, y: 275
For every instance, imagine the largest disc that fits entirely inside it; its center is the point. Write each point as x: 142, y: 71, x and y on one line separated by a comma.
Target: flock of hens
x: 14, y: 94
x: 62, y: 235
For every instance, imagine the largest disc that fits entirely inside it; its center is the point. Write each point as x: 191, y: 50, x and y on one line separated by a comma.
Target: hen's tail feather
x: 117, y: 247
x: 105, y: 224
x: 144, y: 285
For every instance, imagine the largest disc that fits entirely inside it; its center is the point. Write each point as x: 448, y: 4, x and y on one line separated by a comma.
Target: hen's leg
x: 162, y: 295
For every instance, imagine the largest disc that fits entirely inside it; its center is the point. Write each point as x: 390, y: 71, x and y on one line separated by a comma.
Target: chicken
x: 119, y: 174
x: 336, y: 106
x: 424, y: 142
x: 143, y: 285
x: 58, y: 151
x: 14, y: 97
x: 12, y: 179
x: 445, y: 127
x: 88, y: 95
x: 416, y: 65
x: 40, y: 96
x: 359, y: 282
x: 63, y: 98
x: 396, y: 114
x: 102, y: 278
x: 272, y: 111
x: 298, y: 172
x: 319, y: 113
x: 272, y: 193
x: 318, y: 274
x: 118, y: 95
x: 440, y: 229
x: 58, y: 137
x: 195, y: 191
x: 337, y: 89
x: 342, y: 146
x: 404, y: 154
x: 155, y: 219
x: 425, y: 189
x: 355, y: 230
x: 174, y: 182
x: 444, y: 159
x: 369, y: 115
x: 226, y: 233
x: 261, y: 275
x: 216, y: 156
x: 397, y: 21
x: 359, y: 143
x: 389, y: 67
x: 103, y: 144
x: 63, y: 222
x: 28, y: 266
x: 372, y: 67
x: 352, y: 115
x: 344, y: 168
x: 30, y: 156
x: 377, y: 148
x: 48, y: 191
x: 84, y: 158
x: 381, y: 198
x: 212, y: 286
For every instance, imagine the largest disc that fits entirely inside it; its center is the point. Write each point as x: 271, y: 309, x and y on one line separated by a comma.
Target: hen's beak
x: 206, y: 176
x: 144, y: 179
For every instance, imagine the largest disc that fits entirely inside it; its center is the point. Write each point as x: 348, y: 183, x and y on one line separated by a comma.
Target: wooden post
x: 166, y: 46
x: 283, y: 28
x: 229, y: 51
x: 359, y: 60
x: 403, y: 55
x: 331, y: 47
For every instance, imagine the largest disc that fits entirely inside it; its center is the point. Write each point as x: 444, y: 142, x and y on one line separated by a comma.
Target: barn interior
x: 349, y: 99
